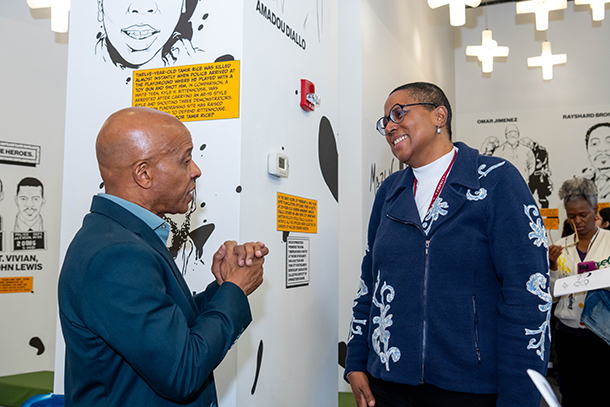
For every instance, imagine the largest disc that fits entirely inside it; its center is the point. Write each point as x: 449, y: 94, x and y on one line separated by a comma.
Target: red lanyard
x: 441, y: 182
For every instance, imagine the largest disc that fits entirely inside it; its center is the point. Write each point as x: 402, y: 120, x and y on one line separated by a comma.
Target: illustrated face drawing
x: 30, y: 201
x: 138, y: 29
x: 598, y: 149
x: 512, y: 134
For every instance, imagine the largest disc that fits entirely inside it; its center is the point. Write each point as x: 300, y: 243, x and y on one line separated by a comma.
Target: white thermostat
x: 277, y: 165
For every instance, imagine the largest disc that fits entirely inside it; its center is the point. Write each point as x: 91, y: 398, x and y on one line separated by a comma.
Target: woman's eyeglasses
x: 397, y: 114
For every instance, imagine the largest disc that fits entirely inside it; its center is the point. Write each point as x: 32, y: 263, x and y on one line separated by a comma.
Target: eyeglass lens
x: 396, y: 115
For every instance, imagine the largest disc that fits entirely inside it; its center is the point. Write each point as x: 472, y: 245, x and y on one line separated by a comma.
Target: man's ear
x: 142, y: 174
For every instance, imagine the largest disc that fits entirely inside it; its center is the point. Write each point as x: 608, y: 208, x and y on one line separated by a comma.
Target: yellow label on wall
x: 601, y: 205
x: 16, y: 285
x: 549, y: 212
x: 190, y: 92
x: 296, y: 214
x: 551, y: 223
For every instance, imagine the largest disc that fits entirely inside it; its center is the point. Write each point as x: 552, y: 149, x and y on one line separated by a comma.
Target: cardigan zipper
x: 424, y: 327
x: 476, y: 329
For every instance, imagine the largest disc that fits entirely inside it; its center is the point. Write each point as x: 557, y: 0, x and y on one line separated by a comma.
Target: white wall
x: 32, y: 109
x: 297, y: 326
x: 514, y: 90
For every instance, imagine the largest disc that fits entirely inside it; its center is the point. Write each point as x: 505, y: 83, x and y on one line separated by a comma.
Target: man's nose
x: 196, y: 171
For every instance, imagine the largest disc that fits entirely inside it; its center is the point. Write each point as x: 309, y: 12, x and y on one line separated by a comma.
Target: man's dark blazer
x: 134, y: 334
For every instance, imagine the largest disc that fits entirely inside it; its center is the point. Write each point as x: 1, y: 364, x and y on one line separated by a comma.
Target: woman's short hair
x: 578, y: 188
x: 428, y: 92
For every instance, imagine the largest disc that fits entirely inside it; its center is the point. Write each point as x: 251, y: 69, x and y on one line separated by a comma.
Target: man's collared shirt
x: 160, y: 227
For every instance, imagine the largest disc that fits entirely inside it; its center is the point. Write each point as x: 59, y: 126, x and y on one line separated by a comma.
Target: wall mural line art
x: 597, y: 144
x: 28, y: 230
x: 377, y: 177
x: 29, y: 199
x: 528, y: 156
x: 259, y: 361
x: 37, y: 344
x: 328, y: 156
x: 319, y: 12
x: 134, y: 35
x: 186, y: 245
x: 1, y: 229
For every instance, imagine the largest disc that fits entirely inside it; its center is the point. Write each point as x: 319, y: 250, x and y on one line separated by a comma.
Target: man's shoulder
x: 103, y: 228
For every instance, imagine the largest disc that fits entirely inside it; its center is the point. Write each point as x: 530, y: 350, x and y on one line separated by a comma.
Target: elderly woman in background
x: 583, y: 356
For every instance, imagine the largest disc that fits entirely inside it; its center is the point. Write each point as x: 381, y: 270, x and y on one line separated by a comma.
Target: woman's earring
x: 438, y: 130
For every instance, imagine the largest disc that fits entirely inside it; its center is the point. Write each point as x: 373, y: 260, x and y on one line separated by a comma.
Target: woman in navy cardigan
x: 453, y: 305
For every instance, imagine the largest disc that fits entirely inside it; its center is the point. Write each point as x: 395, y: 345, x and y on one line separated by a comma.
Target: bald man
x: 134, y: 334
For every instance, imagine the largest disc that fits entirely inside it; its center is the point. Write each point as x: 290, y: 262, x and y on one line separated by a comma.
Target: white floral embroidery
x: 381, y: 336
x: 437, y: 209
x: 362, y: 290
x: 354, y: 329
x: 538, y: 233
x: 477, y: 196
x: 537, y: 284
x: 484, y: 173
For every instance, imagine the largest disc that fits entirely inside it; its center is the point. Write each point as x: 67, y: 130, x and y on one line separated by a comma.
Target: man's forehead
x: 601, y: 132
x: 30, y: 190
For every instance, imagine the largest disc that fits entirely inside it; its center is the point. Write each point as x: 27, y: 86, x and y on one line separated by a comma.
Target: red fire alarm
x: 309, y: 99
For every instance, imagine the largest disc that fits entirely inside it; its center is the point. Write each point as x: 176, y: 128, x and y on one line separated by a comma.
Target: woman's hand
x: 361, y: 389
x: 554, y: 253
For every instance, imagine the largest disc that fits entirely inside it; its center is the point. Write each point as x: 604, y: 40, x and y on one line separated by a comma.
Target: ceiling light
x: 457, y: 9
x: 541, y: 8
x: 598, y: 7
x: 487, y: 51
x: 546, y: 60
x: 60, y: 12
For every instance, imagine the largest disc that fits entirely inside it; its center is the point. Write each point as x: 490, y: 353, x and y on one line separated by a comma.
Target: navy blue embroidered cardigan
x: 459, y: 301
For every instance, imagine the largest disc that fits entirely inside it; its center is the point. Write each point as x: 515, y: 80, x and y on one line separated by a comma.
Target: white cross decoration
x: 487, y: 51
x: 457, y: 9
x: 598, y: 7
x: 60, y: 12
x: 546, y: 60
x: 541, y: 8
